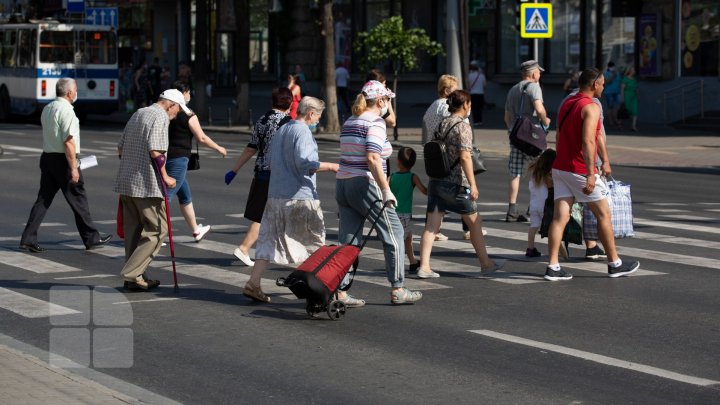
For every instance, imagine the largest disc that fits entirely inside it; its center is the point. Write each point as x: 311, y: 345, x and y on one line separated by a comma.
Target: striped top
x: 361, y: 135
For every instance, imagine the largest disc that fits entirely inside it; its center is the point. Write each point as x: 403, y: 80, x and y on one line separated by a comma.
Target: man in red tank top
x: 575, y: 176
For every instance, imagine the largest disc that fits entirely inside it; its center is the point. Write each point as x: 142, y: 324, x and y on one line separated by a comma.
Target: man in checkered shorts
x: 525, y: 98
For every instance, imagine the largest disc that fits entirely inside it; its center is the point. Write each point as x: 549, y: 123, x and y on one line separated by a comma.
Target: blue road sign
x: 102, y: 16
x: 536, y: 20
x: 76, y: 6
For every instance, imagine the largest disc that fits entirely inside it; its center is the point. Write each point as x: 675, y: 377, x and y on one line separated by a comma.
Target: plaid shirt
x: 146, y: 131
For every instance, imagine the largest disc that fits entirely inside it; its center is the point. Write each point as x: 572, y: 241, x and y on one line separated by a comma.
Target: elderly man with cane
x: 142, y: 150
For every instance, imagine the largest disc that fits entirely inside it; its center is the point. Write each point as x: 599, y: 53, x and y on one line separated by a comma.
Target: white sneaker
x: 440, y: 237
x: 199, y: 234
x: 428, y: 274
x: 243, y: 257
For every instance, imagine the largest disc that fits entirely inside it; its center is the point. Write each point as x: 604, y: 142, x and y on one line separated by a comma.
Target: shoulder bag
x: 194, y: 162
x: 529, y: 138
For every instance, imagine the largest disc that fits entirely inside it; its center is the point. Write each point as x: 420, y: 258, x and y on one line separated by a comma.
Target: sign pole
x: 536, y: 44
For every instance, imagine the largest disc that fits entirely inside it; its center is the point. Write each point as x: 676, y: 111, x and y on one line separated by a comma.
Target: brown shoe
x: 255, y: 293
x: 140, y: 284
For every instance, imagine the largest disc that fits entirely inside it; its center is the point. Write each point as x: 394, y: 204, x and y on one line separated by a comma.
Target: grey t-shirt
x: 532, y: 92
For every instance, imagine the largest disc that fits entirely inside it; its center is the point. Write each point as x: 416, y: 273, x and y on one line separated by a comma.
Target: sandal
x: 352, y: 302
x: 255, y: 293
x: 405, y: 296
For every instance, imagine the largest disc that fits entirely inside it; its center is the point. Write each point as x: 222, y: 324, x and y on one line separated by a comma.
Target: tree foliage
x: 389, y: 41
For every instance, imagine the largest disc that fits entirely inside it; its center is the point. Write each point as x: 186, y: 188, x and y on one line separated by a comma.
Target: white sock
x: 616, y: 263
x: 554, y: 267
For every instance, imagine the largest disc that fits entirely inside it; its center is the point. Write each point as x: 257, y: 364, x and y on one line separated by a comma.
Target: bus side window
x: 9, y: 48
x: 25, y: 49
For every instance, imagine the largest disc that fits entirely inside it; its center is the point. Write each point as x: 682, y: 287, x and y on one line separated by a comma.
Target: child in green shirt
x: 402, y: 184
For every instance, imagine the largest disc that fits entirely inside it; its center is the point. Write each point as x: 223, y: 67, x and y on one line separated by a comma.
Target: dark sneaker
x: 532, y: 253
x: 623, y: 270
x: 558, y: 275
x: 595, y: 253
x: 414, y: 268
x: 515, y: 218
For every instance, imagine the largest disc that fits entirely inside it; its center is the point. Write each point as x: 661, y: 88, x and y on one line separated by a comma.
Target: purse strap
x: 518, y: 113
x: 474, y: 81
x: 446, y: 132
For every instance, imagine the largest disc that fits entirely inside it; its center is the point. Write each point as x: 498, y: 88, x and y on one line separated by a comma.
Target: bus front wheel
x: 4, y: 105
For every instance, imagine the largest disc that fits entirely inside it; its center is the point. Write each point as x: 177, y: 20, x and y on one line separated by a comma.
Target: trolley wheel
x: 5, y: 112
x: 336, y: 310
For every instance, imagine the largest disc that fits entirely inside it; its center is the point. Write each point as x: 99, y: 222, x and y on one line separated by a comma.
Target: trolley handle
x: 372, y: 221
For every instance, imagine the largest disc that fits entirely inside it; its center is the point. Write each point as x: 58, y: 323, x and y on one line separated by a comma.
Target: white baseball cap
x: 176, y: 97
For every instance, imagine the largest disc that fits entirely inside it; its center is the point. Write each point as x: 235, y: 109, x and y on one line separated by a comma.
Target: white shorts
x: 569, y: 184
x: 535, y: 218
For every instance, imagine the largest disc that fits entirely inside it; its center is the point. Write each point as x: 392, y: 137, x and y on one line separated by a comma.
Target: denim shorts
x: 446, y: 196
x: 177, y: 169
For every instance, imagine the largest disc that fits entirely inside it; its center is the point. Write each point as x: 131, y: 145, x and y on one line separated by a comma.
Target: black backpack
x: 437, y: 163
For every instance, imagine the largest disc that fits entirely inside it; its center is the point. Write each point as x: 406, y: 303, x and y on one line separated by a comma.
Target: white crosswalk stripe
x: 675, y: 225
x: 30, y: 307
x: 372, y: 258
x: 29, y: 262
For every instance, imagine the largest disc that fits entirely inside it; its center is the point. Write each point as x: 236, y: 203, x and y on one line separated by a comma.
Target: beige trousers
x: 145, y: 226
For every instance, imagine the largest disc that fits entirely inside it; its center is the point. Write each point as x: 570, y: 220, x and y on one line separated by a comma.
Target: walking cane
x: 167, y: 215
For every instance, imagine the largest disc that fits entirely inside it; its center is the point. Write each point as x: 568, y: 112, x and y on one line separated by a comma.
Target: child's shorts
x: 535, y: 218
x: 405, y: 221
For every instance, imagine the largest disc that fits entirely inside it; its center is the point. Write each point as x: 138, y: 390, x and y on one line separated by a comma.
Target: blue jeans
x: 355, y: 197
x: 177, y: 168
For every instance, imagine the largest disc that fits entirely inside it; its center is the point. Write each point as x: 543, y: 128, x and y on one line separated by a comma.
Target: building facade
x: 671, y: 43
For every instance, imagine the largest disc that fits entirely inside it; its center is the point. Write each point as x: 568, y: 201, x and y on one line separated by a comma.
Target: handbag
x: 621, y: 217
x: 529, y: 138
x: 478, y: 161
x: 573, y: 232
x: 194, y: 162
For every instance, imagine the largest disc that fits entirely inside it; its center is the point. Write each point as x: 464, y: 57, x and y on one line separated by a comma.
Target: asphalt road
x: 513, y: 338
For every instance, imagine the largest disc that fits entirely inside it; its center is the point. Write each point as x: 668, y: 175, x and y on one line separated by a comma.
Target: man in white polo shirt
x: 59, y: 168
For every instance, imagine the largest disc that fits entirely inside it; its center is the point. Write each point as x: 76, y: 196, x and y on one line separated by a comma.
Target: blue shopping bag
x: 620, y: 201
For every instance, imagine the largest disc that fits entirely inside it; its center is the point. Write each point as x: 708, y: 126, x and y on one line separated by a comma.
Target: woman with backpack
x: 457, y: 191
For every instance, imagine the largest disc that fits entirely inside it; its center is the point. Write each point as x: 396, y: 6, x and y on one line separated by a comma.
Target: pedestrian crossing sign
x: 536, y: 20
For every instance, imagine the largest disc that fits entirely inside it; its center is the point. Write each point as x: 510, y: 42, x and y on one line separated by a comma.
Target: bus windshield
x: 78, y: 47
